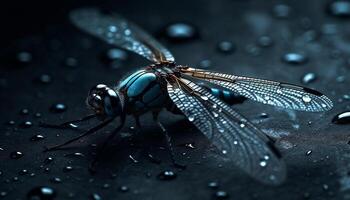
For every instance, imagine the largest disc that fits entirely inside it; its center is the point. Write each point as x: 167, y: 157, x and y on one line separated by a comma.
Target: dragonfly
x: 181, y: 89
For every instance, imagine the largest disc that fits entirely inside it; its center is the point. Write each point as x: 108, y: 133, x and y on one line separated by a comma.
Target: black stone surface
x: 316, y: 152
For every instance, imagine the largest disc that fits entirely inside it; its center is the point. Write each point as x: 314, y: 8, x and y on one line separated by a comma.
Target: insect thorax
x: 144, y: 90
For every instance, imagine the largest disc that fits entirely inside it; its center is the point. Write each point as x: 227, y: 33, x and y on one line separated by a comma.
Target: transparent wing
x: 268, y: 92
x: 120, y: 32
x: 231, y: 133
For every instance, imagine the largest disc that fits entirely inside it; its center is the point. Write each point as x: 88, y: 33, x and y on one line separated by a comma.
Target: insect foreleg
x: 88, y: 132
x: 92, y: 167
x: 68, y: 124
x: 168, y: 141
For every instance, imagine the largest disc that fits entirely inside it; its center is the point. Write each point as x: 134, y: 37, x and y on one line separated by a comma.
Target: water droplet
x: 224, y: 152
x: 167, y: 175
x: 242, y: 125
x: 179, y: 32
x: 226, y: 47
x: 48, y: 160
x: 294, y: 58
x: 191, y: 118
x: 235, y: 142
x: 24, y: 57
x: 153, y: 159
x: 204, y: 64
x: 23, y: 172
x: 215, y: 114
x: 3, y: 194
x: 308, y: 78
x: 264, y: 41
x: 67, y: 168
x: 281, y: 11
x: 205, y: 98
x: 340, y: 79
x: 45, y: 79
x: 190, y: 145
x: 58, y: 108
x: 56, y: 180
x: 221, y: 130
x: 325, y: 186
x: 37, y: 137
x: 306, y: 99
x: 253, y: 50
x: 308, y: 152
x: 16, y: 155
x: 42, y: 193
x: 310, y: 36
x: 11, y: 122
x: 37, y: 115
x: 123, y: 188
x: 24, y: 111
x: 263, y: 115
x: 71, y: 62
x: 133, y: 159
x: 213, y: 184
x: 346, y: 96
x: 342, y: 118
x: 96, y: 196
x: 339, y: 8
x: 115, y: 58
x: 221, y: 195
x: 26, y: 124
x: 263, y: 163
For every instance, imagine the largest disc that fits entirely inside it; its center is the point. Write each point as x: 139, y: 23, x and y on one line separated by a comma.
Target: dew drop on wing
x: 306, y: 98
x: 309, y: 152
x: 191, y: 118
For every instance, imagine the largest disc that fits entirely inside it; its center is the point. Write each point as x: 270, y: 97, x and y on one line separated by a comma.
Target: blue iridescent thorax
x: 143, y: 92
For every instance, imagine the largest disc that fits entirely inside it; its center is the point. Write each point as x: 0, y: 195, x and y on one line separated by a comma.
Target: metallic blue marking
x: 138, y: 86
x: 130, y: 79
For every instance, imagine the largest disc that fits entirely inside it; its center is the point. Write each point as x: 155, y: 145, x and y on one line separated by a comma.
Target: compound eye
x: 96, y: 100
x: 101, y: 86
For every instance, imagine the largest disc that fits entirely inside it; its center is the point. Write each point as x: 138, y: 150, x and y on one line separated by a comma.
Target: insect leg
x: 92, y: 167
x: 169, y: 143
x: 88, y: 132
x: 67, y: 124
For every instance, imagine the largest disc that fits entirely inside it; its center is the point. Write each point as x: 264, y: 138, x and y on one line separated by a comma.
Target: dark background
x: 43, y: 30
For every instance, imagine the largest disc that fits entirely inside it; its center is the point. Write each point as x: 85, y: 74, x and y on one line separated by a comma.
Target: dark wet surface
x: 48, y: 67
